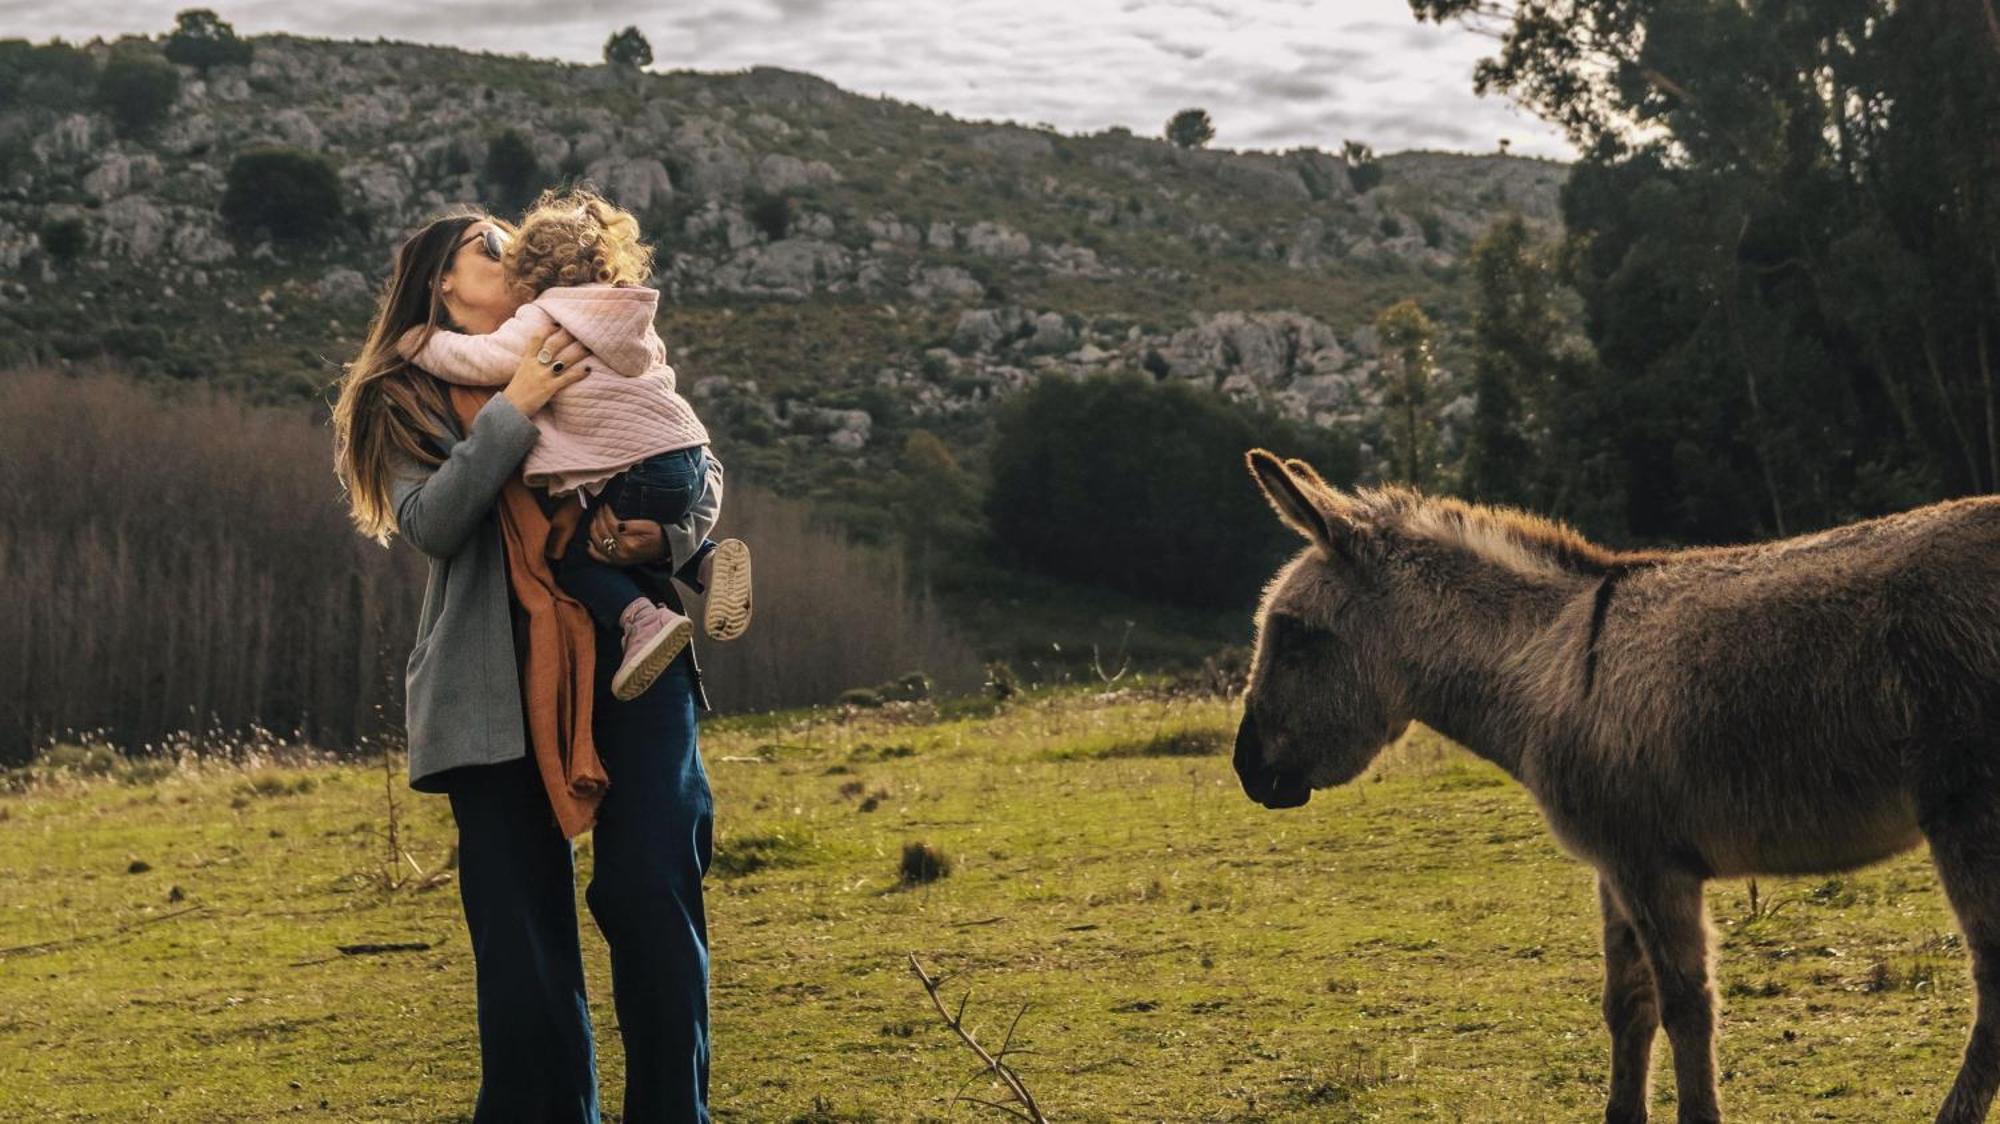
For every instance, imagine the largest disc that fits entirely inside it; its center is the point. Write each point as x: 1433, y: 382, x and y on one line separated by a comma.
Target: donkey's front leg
x: 1631, y: 1012
x: 1667, y: 912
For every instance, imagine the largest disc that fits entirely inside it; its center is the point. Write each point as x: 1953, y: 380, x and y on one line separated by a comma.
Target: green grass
x: 1410, y: 948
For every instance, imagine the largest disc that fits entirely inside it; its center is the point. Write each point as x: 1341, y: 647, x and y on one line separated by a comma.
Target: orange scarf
x: 558, y: 667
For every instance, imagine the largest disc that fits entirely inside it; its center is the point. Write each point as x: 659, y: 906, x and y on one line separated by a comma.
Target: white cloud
x: 1272, y: 73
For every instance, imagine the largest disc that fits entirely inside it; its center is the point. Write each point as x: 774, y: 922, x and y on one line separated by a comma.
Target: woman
x: 410, y: 469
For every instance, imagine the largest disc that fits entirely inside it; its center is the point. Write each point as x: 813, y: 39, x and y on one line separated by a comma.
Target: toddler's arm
x: 487, y: 360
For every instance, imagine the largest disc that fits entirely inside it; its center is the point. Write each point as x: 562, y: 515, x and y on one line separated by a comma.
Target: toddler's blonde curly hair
x: 575, y: 237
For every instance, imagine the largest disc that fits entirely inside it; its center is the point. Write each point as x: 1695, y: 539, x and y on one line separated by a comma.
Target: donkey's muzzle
x: 1273, y: 788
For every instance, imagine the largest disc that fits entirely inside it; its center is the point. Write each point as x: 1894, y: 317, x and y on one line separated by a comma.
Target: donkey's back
x: 1788, y: 707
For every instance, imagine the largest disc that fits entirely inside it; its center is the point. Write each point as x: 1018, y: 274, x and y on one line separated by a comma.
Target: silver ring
x: 610, y: 543
x: 544, y: 358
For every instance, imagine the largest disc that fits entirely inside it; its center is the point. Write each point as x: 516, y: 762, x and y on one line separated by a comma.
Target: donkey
x: 1807, y: 705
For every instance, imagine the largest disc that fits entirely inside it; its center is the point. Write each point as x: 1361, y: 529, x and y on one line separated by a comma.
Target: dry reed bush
x: 175, y: 559
x: 830, y: 615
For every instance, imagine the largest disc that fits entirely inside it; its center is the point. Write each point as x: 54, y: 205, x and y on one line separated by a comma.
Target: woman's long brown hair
x: 389, y: 409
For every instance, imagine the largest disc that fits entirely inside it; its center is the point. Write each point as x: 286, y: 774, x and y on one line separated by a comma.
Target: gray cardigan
x: 463, y: 687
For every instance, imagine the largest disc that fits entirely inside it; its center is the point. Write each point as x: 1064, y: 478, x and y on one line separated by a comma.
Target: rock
x: 946, y: 281
x: 1269, y: 349
x: 714, y: 166
x: 1076, y: 261
x: 381, y: 189
x: 131, y: 226
x: 778, y: 173
x: 637, y: 185
x: 941, y: 236
x: 1261, y: 177
x: 117, y: 174
x: 1015, y: 144
x: 1053, y: 335
x: 199, y: 241
x: 984, y: 329
x: 724, y: 221
x: 71, y: 138
x: 1307, y: 249
x: 997, y: 240
x: 293, y: 127
x: 342, y: 286
x: 890, y: 232
x: 790, y: 267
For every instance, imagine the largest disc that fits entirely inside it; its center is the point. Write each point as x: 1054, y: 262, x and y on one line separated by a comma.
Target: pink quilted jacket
x: 622, y: 411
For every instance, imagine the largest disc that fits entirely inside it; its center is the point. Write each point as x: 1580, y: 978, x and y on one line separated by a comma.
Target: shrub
x: 138, y: 91
x: 923, y: 863
x: 294, y: 196
x: 54, y: 75
x: 64, y: 239
x: 1364, y: 172
x: 1433, y: 228
x: 1001, y: 682
x: 770, y: 213
x: 512, y: 170
x: 202, y: 39
x: 866, y: 698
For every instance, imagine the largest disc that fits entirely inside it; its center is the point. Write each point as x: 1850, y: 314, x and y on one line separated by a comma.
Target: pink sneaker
x: 654, y: 635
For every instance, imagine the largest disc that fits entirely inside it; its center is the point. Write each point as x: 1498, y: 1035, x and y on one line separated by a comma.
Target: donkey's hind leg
x: 1631, y: 1012
x: 1666, y: 911
x: 1964, y: 833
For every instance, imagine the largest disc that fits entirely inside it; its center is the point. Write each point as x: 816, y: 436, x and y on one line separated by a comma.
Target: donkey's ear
x: 1309, y: 475
x: 1304, y: 502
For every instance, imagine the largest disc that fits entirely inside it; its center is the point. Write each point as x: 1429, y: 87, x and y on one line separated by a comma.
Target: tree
x: 513, y: 172
x: 936, y: 504
x: 1408, y: 362
x: 138, y: 91
x: 1782, y: 231
x: 203, y: 40
x: 63, y: 239
x: 53, y: 75
x: 282, y: 193
x: 1139, y: 486
x: 1364, y: 172
x: 628, y: 49
x: 1515, y: 327
x: 1191, y: 128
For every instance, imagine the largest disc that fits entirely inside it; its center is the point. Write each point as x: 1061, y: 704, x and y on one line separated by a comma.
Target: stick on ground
x: 994, y: 1064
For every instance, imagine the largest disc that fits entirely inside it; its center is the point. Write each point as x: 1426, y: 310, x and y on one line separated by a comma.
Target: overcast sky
x: 1272, y: 73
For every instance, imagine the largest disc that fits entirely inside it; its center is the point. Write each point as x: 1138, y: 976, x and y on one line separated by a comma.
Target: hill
x: 840, y: 268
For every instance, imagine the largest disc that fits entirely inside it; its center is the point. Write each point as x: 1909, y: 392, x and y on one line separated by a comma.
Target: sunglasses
x: 493, y: 241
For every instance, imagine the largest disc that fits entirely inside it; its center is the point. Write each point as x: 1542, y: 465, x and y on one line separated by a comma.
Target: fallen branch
x: 993, y: 1064
x: 67, y: 942
x: 372, y: 949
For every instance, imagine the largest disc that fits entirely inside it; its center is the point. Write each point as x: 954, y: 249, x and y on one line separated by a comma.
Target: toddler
x: 621, y: 435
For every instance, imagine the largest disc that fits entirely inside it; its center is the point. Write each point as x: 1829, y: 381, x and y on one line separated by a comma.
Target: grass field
x: 1410, y: 948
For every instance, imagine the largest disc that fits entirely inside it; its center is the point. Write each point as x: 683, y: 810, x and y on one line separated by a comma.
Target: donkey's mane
x: 1517, y: 540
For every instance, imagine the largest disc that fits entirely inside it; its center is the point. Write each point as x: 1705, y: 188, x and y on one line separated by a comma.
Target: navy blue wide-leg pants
x: 653, y: 842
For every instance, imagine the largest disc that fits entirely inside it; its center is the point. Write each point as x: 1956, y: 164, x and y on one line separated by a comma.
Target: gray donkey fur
x: 1813, y: 704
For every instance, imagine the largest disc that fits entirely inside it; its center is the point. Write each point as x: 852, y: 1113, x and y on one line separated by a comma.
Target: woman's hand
x: 625, y: 542
x: 553, y: 360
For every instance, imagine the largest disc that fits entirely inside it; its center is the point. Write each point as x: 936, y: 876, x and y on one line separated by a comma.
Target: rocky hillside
x: 839, y: 268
